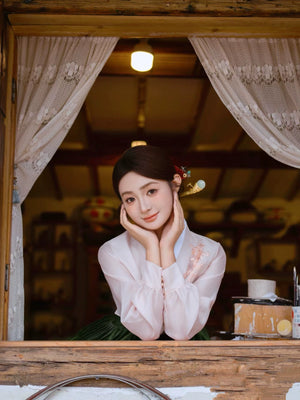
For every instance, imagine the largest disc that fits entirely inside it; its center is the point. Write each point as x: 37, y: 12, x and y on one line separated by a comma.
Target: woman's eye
x: 129, y: 200
x: 152, y: 191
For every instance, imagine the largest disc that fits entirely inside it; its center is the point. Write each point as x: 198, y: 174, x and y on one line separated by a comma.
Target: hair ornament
x: 182, y: 172
x: 193, y: 189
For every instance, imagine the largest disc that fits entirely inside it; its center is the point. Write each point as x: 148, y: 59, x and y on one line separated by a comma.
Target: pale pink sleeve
x: 139, y: 302
x: 188, y: 302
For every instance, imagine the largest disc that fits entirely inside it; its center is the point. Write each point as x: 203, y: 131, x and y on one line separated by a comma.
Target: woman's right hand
x: 147, y: 238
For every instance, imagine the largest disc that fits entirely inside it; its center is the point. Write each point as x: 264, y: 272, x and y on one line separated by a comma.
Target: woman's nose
x: 145, y: 204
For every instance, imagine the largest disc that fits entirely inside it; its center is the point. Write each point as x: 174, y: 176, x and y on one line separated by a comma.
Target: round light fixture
x: 142, y: 57
x: 135, y: 143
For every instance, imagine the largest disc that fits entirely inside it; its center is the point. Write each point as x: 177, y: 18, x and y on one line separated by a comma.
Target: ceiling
x: 173, y: 106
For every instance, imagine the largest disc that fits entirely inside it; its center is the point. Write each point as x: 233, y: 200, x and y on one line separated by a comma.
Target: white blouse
x: 151, y: 300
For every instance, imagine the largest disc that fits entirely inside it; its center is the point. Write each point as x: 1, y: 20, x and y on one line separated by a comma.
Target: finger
x: 177, y: 207
x: 178, y: 213
x: 123, y: 217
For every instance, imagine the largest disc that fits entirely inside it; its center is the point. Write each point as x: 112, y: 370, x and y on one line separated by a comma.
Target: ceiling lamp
x: 135, y: 143
x: 142, y: 57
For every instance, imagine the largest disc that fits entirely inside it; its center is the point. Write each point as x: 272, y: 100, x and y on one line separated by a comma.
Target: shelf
x: 40, y: 305
x: 51, y: 273
x: 229, y: 225
x: 237, y: 230
x: 53, y: 278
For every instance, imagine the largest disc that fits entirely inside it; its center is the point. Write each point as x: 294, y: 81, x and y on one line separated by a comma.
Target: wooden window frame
x: 229, y: 367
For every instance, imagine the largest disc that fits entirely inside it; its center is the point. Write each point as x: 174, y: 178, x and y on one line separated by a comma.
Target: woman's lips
x: 151, y: 218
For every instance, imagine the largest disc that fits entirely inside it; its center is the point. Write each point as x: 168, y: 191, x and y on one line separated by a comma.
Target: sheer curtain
x: 258, y: 80
x: 55, y: 75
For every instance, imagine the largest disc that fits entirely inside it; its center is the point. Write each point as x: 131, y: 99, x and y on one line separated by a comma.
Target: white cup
x: 296, y: 322
x: 257, y: 288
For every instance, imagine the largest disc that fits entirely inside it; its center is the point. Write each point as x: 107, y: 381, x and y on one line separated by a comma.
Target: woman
x: 163, y: 277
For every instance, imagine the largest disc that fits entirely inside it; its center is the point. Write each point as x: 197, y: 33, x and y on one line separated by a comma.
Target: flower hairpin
x: 182, y: 172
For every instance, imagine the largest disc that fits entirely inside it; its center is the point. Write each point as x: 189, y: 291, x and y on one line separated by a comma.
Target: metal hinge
x: 6, y: 279
x: 13, y: 90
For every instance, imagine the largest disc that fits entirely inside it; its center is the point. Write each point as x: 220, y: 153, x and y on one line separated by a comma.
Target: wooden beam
x: 248, y: 370
x: 198, y: 71
x: 217, y: 190
x: 294, y: 190
x: 224, y: 170
x: 216, y: 8
x: 56, y: 184
x: 258, y: 185
x: 201, y: 159
x: 95, y: 180
x: 91, y: 143
x: 88, y: 126
x: 192, y: 136
x: 159, y: 46
x: 149, y: 26
x: 117, y: 142
x: 238, y: 141
x: 141, y: 102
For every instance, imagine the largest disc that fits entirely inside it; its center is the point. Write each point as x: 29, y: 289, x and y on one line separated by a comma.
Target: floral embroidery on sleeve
x: 195, y: 263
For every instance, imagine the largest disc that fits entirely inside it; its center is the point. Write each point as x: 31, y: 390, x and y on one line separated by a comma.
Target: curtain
x: 258, y: 80
x: 55, y: 75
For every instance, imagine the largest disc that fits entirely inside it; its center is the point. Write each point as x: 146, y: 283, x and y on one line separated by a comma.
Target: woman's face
x: 147, y: 201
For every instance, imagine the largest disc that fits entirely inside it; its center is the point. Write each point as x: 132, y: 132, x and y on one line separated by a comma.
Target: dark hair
x: 149, y: 161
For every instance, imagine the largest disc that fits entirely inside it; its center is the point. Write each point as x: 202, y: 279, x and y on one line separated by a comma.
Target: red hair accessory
x: 182, y: 172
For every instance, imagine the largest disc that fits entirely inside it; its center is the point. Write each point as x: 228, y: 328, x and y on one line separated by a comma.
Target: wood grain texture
x: 157, y: 7
x: 245, y: 370
x: 153, y: 26
x: 7, y: 141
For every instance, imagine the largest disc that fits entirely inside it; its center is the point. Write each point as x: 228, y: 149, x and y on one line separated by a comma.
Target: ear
x: 176, y: 182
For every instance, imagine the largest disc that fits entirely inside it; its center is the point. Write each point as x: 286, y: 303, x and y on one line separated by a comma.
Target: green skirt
x: 111, y: 328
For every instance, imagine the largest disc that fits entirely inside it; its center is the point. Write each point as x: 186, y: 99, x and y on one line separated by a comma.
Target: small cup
x: 296, y: 322
x: 257, y: 288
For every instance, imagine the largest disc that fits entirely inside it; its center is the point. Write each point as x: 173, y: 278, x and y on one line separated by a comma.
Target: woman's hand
x: 147, y: 238
x: 171, y: 233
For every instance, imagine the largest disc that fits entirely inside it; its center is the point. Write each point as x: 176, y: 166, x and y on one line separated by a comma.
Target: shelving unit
x: 99, y: 300
x: 237, y: 231
x: 51, y: 310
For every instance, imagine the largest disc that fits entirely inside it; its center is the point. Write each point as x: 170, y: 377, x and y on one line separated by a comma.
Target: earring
x: 196, y: 188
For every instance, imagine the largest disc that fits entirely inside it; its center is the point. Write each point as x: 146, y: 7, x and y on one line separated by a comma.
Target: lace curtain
x: 258, y: 80
x: 55, y: 75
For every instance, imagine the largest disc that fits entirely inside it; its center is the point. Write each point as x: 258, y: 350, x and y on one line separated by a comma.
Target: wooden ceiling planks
x: 168, y: 19
x: 244, y: 159
x: 215, y: 8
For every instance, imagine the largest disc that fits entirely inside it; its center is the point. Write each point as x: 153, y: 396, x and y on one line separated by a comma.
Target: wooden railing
x: 236, y: 370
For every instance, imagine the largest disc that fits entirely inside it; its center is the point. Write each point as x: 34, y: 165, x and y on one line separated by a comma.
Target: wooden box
x: 259, y: 319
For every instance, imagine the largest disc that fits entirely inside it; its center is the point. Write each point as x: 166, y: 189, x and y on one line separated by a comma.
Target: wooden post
x: 7, y: 136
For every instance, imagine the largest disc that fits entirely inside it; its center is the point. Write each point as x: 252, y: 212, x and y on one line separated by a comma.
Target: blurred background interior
x: 250, y: 203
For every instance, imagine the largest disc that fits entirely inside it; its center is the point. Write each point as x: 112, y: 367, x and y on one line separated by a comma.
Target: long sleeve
x: 189, y: 299
x: 136, y: 287
x: 151, y: 300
